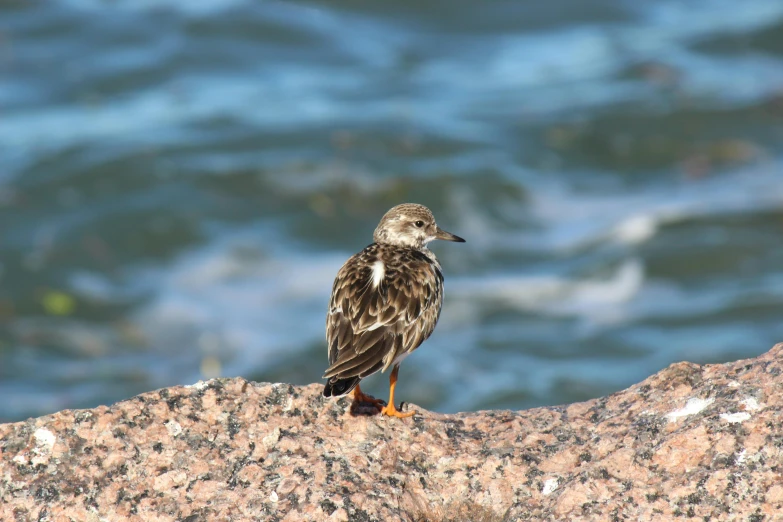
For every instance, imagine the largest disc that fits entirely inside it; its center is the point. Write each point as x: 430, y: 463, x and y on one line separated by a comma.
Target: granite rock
x: 690, y: 442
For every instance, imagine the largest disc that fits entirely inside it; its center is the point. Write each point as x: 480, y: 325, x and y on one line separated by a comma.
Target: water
x: 180, y: 181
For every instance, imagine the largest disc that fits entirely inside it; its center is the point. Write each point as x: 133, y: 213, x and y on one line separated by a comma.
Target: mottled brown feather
x: 369, y: 327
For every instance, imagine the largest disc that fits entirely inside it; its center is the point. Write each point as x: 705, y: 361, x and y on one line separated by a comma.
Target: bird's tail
x: 338, y: 387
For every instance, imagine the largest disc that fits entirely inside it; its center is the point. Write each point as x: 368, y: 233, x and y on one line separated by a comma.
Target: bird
x: 385, y: 302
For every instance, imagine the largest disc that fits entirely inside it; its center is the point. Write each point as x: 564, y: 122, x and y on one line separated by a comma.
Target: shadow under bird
x: 385, y: 302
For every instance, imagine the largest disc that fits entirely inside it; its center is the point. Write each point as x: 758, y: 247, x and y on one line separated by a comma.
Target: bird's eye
x: 419, y: 224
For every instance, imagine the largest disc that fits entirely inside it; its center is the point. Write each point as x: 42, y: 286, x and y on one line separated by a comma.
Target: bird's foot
x: 364, y: 404
x: 390, y: 411
x: 368, y: 399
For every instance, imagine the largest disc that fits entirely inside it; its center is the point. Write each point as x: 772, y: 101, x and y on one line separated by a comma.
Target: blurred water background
x: 180, y: 181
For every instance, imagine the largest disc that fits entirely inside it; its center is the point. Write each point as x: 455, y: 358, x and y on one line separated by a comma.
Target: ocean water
x: 180, y: 182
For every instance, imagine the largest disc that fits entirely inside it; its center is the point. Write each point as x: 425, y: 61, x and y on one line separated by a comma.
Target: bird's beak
x: 447, y: 236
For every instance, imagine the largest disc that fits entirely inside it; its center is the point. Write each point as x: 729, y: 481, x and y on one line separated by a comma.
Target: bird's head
x: 410, y: 225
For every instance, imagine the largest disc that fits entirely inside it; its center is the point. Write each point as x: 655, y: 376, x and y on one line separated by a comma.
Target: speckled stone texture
x: 691, y: 442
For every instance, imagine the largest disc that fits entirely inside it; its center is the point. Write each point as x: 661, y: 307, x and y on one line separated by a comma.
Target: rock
x: 692, y: 441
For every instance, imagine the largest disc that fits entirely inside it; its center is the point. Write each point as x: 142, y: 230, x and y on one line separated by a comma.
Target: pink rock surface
x: 691, y: 442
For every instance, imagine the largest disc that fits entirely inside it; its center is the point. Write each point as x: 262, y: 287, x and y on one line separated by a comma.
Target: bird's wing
x: 368, y: 325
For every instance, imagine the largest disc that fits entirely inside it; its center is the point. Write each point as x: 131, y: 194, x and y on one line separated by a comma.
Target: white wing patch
x: 378, y: 273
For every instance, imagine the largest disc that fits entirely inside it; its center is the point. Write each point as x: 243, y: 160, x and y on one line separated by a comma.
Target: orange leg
x: 359, y: 397
x: 390, y: 409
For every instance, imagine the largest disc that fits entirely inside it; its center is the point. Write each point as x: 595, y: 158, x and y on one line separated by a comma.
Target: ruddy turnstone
x: 385, y: 302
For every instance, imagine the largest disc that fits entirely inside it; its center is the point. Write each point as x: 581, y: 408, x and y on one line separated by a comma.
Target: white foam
x: 594, y: 298
x: 559, y: 69
x: 700, y: 17
x: 636, y: 229
x: 576, y: 220
x: 235, y: 302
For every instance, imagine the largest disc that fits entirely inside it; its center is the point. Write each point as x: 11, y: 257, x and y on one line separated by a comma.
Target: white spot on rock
x: 20, y: 459
x: 173, y: 427
x: 692, y: 407
x: 734, y: 418
x: 741, y: 456
x: 273, y: 497
x: 44, y: 439
x: 200, y: 385
x: 270, y: 440
x: 751, y: 404
x: 550, y: 485
x: 44, y: 443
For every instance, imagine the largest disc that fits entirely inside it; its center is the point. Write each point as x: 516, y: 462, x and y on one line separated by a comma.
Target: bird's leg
x: 390, y: 409
x: 359, y: 397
